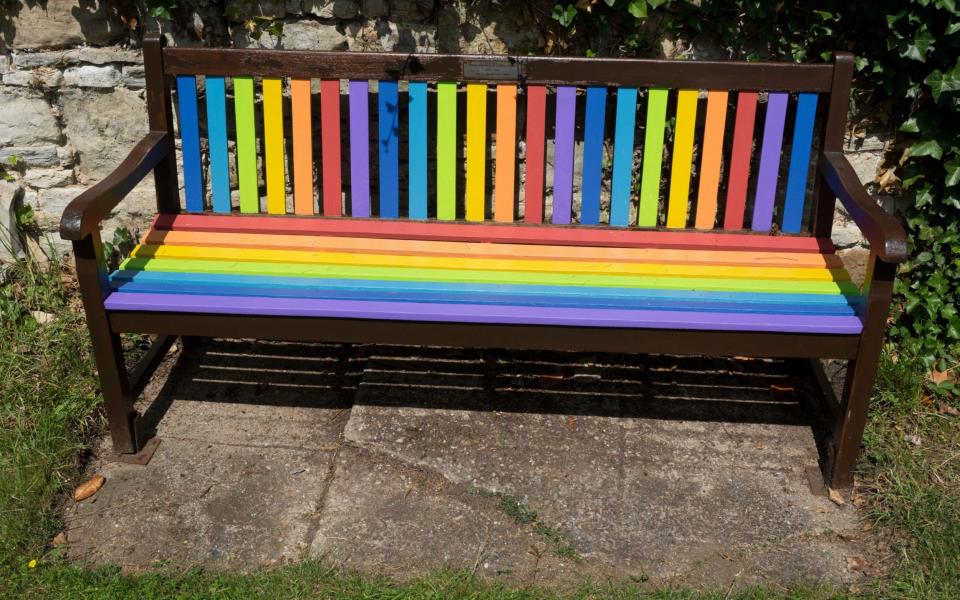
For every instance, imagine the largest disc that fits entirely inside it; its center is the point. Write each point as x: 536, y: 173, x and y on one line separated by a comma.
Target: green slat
x: 652, y: 157
x: 446, y: 151
x: 246, y: 145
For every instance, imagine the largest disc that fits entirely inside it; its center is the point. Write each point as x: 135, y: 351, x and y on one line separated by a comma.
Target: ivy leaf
x: 953, y: 173
x: 656, y: 3
x: 910, y: 126
x: 943, y: 82
x: 610, y: 2
x: 564, y: 14
x: 638, y: 8
x: 952, y: 28
x: 927, y: 148
x: 921, y: 46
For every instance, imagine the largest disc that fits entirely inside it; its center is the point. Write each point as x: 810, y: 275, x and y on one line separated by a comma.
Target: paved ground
x: 529, y: 467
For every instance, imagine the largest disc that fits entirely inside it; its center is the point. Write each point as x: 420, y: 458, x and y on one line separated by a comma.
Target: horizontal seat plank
x: 515, y: 233
x: 478, y: 313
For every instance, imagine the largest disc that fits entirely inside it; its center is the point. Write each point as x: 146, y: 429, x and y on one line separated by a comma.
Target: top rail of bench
x: 729, y: 75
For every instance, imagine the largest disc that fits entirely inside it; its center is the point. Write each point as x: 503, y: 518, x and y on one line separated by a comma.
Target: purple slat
x: 480, y: 313
x: 359, y: 149
x: 769, y: 169
x: 563, y: 154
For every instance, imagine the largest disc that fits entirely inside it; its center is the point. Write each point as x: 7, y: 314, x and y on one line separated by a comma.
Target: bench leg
x: 861, y: 371
x: 107, y: 348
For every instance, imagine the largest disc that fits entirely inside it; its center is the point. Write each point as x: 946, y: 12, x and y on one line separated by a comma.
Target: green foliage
x: 907, y: 63
x: 160, y: 8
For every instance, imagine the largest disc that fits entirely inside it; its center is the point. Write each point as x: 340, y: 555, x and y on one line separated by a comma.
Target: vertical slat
x: 330, y: 146
x: 190, y: 141
x: 446, y: 151
x: 536, y: 148
x: 302, y: 134
x: 388, y: 116
x: 506, y: 165
x: 740, y: 160
x: 476, y: 150
x: 273, y: 145
x: 417, y: 149
x: 622, y: 185
x: 217, y: 135
x: 769, y: 169
x: 799, y: 163
x: 592, y: 155
x: 358, y: 91
x: 652, y: 157
x: 682, y: 159
x: 712, y: 156
x: 563, y: 154
x: 246, y: 145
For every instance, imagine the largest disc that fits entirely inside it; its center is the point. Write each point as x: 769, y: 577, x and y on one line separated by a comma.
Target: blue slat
x: 389, y: 143
x: 478, y: 293
x: 417, y: 148
x: 190, y: 141
x: 623, y: 157
x: 217, y: 134
x: 799, y: 163
x: 593, y: 155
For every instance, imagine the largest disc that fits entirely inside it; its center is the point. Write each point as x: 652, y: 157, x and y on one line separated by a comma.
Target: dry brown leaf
x: 856, y: 563
x: 569, y: 423
x: 946, y: 409
x: 836, y: 497
x: 939, y: 377
x: 60, y: 539
x: 858, y: 501
x: 88, y: 488
x: 887, y: 180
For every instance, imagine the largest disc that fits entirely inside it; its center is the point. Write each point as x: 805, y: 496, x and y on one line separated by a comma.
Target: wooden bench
x: 435, y: 199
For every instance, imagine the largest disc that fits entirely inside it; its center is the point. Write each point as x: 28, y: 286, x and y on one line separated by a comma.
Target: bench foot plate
x: 818, y: 486
x: 140, y: 458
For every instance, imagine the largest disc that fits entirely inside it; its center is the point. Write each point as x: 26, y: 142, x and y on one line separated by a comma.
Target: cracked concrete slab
x: 528, y: 467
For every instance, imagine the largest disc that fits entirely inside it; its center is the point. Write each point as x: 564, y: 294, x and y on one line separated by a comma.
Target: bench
x: 438, y: 200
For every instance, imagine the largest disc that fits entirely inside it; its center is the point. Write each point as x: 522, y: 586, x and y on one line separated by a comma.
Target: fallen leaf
x: 939, y: 377
x: 836, y: 497
x: 42, y: 317
x: 946, y: 409
x: 761, y: 445
x: 856, y: 563
x: 858, y: 501
x: 569, y: 423
x: 912, y: 439
x: 60, y: 539
x: 88, y: 488
x: 866, y: 527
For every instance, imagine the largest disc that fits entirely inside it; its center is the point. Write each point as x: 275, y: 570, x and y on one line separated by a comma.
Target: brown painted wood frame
x: 835, y: 179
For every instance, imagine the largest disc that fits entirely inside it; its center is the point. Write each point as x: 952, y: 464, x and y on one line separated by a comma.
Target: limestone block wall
x: 72, y: 94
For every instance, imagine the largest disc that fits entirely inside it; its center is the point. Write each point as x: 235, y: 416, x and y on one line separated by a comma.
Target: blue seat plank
x: 190, y: 141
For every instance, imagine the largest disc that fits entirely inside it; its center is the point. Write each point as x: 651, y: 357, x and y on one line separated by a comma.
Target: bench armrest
x: 85, y: 212
x: 883, y: 231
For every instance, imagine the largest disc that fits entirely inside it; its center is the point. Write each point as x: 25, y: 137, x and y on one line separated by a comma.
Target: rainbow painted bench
x: 439, y: 199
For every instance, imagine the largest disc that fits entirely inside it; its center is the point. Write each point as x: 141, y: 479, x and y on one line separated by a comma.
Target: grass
x: 910, y: 477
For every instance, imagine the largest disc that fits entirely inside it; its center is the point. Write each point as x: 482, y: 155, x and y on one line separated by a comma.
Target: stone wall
x: 72, y: 98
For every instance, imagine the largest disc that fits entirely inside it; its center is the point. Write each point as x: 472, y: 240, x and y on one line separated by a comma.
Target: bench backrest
x: 670, y: 144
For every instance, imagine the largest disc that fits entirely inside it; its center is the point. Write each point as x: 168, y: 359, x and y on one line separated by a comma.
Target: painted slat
x: 622, y: 185
x: 388, y: 118
x: 446, y: 151
x: 500, y: 263
x: 682, y: 159
x: 475, y: 293
x: 476, y: 150
x: 786, y: 260
x: 358, y: 91
x: 740, y: 160
x: 479, y: 313
x: 799, y: 162
x: 217, y: 135
x: 769, y: 169
x: 504, y: 186
x: 190, y: 141
x: 494, y: 233
x: 417, y: 149
x: 246, y: 145
x: 563, y: 154
x: 302, y: 133
x: 710, y: 162
x: 652, y: 157
x: 330, y: 146
x: 536, y: 150
x: 592, y: 155
x: 273, y: 145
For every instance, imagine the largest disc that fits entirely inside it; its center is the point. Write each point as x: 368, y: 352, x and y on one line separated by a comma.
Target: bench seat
x: 487, y: 273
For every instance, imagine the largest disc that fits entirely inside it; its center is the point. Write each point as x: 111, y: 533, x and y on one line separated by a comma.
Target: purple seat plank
x: 474, y: 313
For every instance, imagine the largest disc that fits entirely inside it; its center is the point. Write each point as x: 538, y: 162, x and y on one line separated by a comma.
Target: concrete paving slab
x: 652, y: 467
